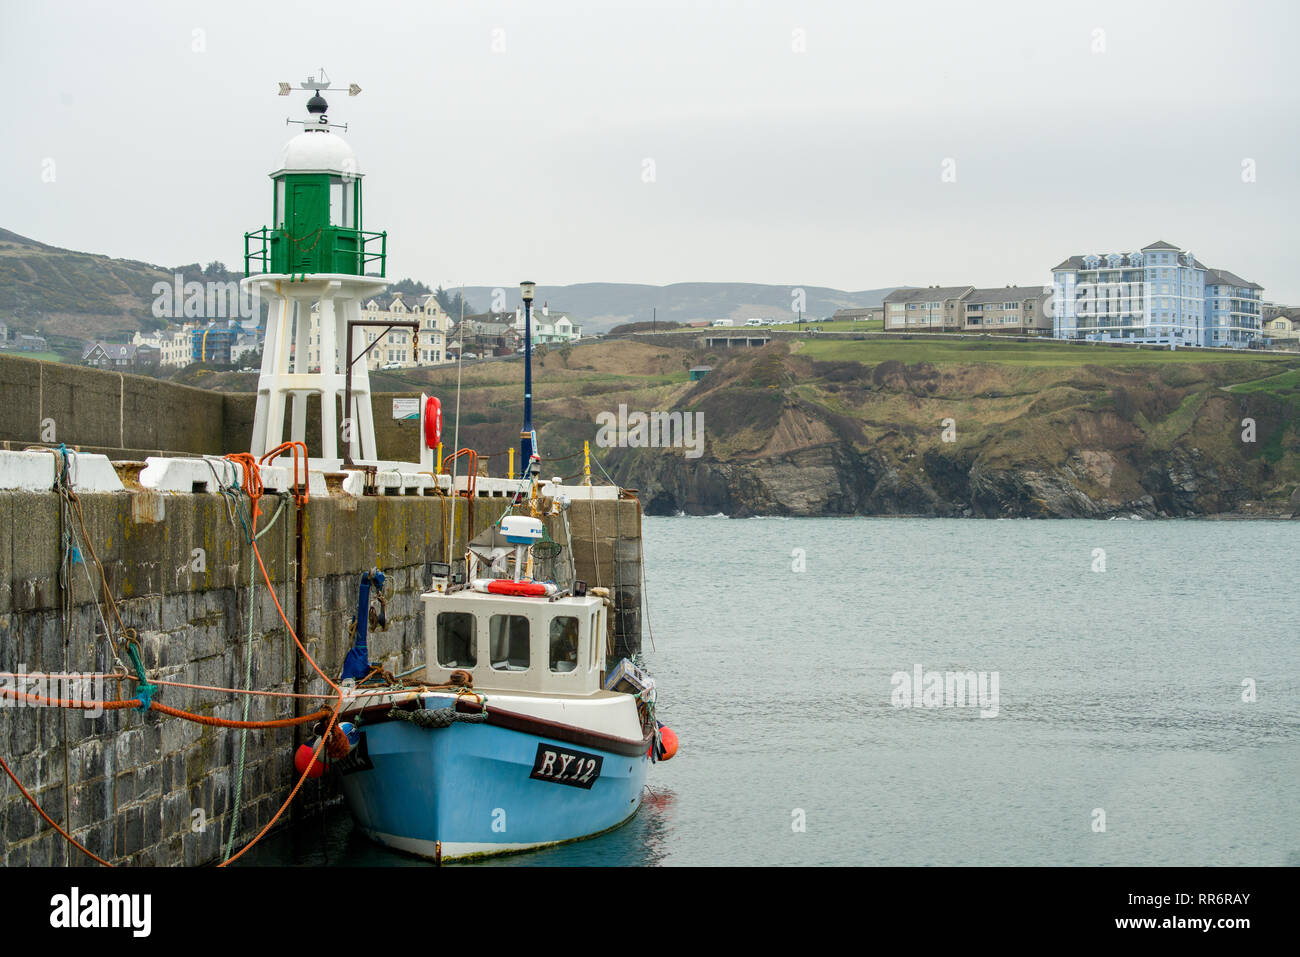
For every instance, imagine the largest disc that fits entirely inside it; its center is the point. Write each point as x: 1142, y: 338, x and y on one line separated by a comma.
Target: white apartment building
x: 1160, y: 294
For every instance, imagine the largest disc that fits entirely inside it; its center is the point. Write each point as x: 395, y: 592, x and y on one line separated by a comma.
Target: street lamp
x: 527, y: 289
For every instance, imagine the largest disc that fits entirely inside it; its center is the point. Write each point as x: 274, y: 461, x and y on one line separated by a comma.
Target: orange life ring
x: 504, y: 586
x: 432, y: 422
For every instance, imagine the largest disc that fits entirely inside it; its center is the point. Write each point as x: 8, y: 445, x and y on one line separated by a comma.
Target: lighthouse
x: 315, y: 254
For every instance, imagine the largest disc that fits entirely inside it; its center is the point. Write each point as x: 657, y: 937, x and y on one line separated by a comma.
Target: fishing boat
x: 519, y: 734
x: 521, y: 747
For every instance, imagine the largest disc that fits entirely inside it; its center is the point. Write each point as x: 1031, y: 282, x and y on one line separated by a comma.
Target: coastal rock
x: 833, y: 480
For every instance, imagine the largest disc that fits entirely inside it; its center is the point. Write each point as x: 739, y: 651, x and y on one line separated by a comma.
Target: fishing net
x: 551, y: 564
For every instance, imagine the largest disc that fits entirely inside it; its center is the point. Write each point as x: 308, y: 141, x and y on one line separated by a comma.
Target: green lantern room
x: 316, y: 210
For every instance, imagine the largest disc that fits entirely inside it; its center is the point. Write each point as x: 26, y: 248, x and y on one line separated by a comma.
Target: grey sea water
x: 1120, y: 697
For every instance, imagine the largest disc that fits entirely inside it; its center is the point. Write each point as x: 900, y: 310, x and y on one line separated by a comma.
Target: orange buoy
x: 303, y: 756
x: 667, y: 743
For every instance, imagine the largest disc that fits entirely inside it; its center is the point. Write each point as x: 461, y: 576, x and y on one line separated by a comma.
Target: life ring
x: 432, y: 422
x: 522, y: 589
x: 504, y: 586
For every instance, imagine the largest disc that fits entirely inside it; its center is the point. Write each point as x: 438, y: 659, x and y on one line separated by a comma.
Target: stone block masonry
x: 607, y: 553
x: 143, y: 788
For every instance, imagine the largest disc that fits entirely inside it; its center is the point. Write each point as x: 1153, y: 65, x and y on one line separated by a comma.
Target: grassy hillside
x: 59, y: 292
x: 1046, y: 353
x: 71, y: 297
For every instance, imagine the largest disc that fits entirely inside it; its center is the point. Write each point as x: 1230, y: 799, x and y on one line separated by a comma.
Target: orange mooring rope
x: 300, y: 495
x: 164, y: 709
x: 296, y: 788
x: 72, y: 840
x: 254, y: 489
x: 232, y: 723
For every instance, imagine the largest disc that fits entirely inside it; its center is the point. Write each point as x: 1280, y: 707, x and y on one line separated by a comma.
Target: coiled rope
x: 434, y: 718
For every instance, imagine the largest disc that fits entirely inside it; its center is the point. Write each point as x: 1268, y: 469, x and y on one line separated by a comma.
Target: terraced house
x: 175, y: 349
x: 1018, y: 310
x: 1160, y: 294
x: 932, y: 309
x: 396, y: 348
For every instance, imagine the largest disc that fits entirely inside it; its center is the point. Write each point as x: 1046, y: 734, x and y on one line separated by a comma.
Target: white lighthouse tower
x: 315, y: 252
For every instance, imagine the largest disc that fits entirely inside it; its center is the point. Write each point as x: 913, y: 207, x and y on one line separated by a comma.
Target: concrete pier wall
x: 141, y: 788
x: 130, y: 416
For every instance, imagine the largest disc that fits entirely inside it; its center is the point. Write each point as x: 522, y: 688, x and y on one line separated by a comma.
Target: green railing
x: 262, y: 254
x: 348, y: 251
x: 366, y: 257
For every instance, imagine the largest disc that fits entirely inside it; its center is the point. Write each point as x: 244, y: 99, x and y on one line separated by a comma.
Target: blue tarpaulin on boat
x: 357, y: 662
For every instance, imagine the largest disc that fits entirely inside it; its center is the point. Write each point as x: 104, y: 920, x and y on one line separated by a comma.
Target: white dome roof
x: 317, y: 151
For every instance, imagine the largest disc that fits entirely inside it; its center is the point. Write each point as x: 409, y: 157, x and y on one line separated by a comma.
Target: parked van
x: 753, y: 322
x: 722, y: 322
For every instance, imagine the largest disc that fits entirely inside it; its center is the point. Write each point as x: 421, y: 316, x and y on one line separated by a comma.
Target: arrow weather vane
x: 316, y: 105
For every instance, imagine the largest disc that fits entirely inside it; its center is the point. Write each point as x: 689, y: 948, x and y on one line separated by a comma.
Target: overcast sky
x: 799, y: 143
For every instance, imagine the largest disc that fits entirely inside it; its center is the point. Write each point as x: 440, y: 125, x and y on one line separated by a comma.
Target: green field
x: 1274, y: 384
x: 43, y: 356
x: 1047, y: 353
x: 825, y: 325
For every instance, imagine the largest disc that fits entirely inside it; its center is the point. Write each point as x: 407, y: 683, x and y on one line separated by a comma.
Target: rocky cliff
x: 787, y: 435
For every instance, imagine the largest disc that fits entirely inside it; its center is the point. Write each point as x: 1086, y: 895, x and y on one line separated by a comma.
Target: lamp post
x: 527, y: 289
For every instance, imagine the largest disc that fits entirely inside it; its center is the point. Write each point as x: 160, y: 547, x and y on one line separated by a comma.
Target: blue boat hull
x: 471, y: 790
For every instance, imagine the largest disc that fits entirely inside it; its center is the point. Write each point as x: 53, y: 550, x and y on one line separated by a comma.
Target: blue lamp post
x: 526, y: 436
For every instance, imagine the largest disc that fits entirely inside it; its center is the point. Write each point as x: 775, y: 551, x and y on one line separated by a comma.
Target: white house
x: 244, y: 346
x: 547, y: 329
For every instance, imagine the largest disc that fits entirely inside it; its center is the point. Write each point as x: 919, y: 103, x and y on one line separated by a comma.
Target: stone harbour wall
x: 145, y: 788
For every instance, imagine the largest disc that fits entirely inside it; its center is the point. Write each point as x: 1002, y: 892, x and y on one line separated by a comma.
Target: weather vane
x: 317, y: 105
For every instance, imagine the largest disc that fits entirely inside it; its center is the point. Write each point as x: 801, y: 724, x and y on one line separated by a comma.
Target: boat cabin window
x: 564, y: 643
x: 508, y: 642
x: 456, y: 644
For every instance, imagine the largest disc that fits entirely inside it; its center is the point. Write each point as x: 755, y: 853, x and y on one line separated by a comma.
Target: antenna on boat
x: 528, y: 436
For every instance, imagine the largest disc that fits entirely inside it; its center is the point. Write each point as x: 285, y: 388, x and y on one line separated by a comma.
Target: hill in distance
x: 72, y: 297
x: 69, y: 295
x: 599, y: 306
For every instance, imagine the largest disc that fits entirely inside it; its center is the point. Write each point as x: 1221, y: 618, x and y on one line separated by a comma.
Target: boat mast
x: 526, y: 437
